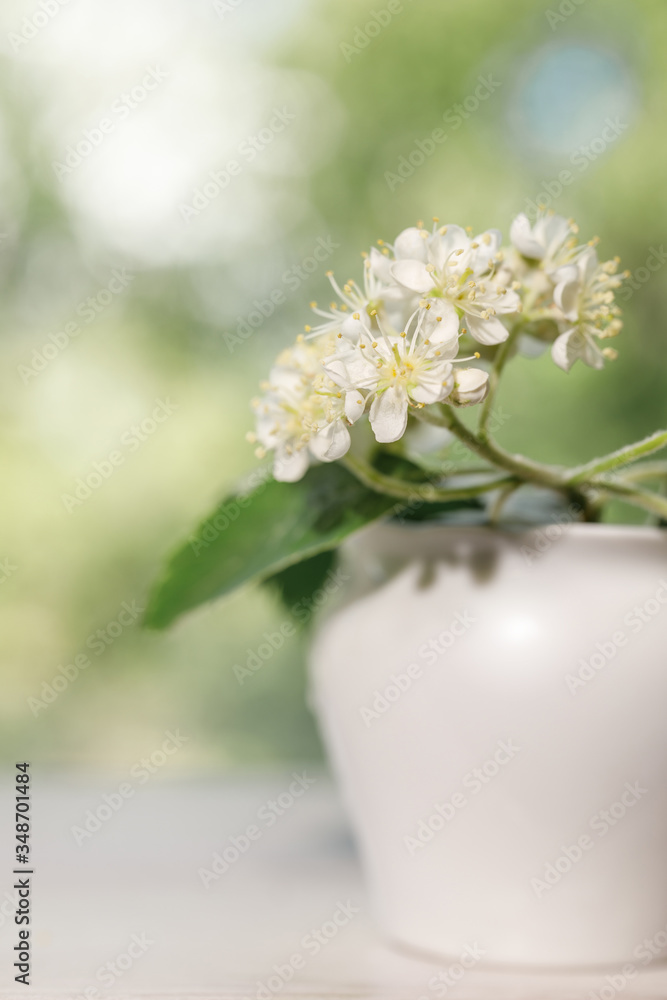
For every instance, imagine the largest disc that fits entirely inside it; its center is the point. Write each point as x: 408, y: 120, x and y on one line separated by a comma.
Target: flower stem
x: 519, y: 466
x: 500, y: 360
x: 635, y: 495
x: 648, y: 470
x: 503, y: 496
x: 618, y: 458
x: 424, y: 491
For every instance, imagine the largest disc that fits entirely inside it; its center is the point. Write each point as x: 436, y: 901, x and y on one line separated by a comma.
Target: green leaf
x: 443, y: 511
x: 298, y: 582
x: 253, y: 536
x: 471, y: 511
x: 397, y: 466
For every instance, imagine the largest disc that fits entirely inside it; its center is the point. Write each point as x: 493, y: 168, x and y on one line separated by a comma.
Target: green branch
x: 517, y: 465
x: 425, y: 491
x: 624, y: 456
x: 647, y: 470
x: 635, y: 495
x: 500, y: 360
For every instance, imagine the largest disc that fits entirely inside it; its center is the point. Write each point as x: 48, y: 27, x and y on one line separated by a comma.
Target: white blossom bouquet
x: 427, y: 331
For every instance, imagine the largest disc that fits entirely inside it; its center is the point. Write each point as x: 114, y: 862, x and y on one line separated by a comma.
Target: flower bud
x: 470, y: 386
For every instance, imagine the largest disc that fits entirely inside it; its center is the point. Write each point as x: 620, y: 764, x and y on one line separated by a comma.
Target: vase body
x: 494, y: 706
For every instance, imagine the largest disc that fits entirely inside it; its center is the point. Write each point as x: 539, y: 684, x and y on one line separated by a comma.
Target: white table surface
x: 138, y: 875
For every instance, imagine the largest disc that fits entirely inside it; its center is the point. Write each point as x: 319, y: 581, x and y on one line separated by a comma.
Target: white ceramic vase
x: 494, y: 706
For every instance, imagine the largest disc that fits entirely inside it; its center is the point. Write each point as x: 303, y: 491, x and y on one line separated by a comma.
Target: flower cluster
x: 390, y: 346
x: 564, y: 281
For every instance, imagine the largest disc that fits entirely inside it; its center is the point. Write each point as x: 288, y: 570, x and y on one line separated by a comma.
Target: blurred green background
x: 183, y: 87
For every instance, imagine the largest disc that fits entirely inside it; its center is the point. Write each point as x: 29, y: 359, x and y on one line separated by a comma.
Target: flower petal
x: 290, y: 468
x: 412, y: 274
x: 398, y: 305
x: 380, y: 266
x: 488, y: 244
x: 471, y: 386
x: 566, y: 296
x: 441, y: 325
x: 389, y: 414
x: 588, y: 263
x: 331, y: 443
x: 354, y: 405
x: 411, y: 245
x: 567, y: 348
x: 353, y: 329
x: 433, y: 388
x: 443, y: 244
x: 351, y: 370
x: 591, y: 354
x: 553, y: 231
x: 575, y: 345
x: 507, y: 303
x: 286, y: 380
x: 336, y: 369
x: 486, y: 331
x: 523, y: 238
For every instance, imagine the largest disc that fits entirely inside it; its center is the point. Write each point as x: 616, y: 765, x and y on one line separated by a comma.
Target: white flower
x: 391, y: 343
x: 537, y: 251
x: 396, y: 373
x: 457, y: 274
x: 584, y: 298
x: 380, y: 295
x: 303, y: 412
x: 550, y: 240
x: 566, y: 288
x: 471, y: 385
x: 575, y: 345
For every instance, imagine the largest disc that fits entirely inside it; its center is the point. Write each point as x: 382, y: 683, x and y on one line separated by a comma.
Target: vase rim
x: 583, y: 532
x: 521, y: 528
